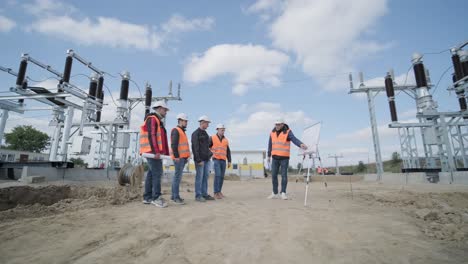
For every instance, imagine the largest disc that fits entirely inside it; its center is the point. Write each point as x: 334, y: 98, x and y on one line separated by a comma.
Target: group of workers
x: 153, y: 140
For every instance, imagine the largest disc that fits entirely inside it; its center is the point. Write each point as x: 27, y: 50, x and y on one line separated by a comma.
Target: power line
x: 80, y: 74
x: 437, y: 85
x: 110, y: 93
x: 139, y: 90
x: 52, y: 77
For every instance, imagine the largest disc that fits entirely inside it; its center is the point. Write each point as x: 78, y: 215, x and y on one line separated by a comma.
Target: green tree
x: 361, y: 167
x: 27, y: 138
x: 396, y: 158
x: 79, y: 162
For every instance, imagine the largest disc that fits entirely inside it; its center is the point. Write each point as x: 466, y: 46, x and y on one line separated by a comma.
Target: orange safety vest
x: 280, y: 146
x: 219, y: 147
x: 183, y: 148
x: 144, y: 137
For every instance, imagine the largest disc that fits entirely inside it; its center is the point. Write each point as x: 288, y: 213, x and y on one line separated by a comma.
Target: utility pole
x: 336, y: 157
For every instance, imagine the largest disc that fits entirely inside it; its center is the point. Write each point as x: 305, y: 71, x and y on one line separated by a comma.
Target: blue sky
x: 243, y: 63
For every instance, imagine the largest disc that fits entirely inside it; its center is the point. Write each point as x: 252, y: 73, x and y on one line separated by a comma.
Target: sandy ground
x: 378, y: 224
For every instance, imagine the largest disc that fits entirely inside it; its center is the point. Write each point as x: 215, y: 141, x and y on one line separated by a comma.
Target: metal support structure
x: 408, y: 146
x: 66, y: 134
x: 336, y: 157
x: 375, y: 134
x: 3, y: 121
x: 55, y: 143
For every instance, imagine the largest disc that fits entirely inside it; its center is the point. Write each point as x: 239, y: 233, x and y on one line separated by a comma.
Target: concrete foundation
x: 457, y: 177
x: 399, y: 178
x: 57, y: 174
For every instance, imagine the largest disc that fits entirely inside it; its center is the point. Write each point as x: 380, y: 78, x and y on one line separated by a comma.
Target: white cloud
x: 261, y: 120
x: 366, y: 134
x: 48, y: 7
x: 327, y: 36
x: 403, y: 79
x: 248, y: 64
x: 178, y: 23
x: 57, y: 19
x: 6, y: 24
x: 104, y: 31
x: 266, y: 8
x: 264, y: 5
x: 399, y: 80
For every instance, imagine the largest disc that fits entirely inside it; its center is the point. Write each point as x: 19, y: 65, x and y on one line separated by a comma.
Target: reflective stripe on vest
x: 219, y: 147
x: 280, y: 146
x: 183, y: 148
x: 145, y: 146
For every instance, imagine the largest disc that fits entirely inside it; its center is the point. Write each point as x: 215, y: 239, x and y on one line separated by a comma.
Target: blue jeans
x: 153, y: 180
x: 220, y: 170
x: 179, y: 167
x: 201, y: 179
x: 275, y: 166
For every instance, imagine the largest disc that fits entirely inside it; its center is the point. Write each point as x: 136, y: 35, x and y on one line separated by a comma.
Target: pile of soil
x: 26, y: 201
x: 442, y: 216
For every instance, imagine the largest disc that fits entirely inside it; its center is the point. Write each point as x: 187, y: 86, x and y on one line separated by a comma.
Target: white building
x: 245, y: 163
x: 8, y: 155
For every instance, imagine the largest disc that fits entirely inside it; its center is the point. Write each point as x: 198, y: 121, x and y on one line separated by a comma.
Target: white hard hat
x: 220, y: 126
x: 160, y: 104
x: 279, y: 121
x: 204, y: 118
x: 182, y: 116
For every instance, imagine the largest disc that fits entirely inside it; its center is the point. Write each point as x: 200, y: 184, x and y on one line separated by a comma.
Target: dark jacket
x: 291, y: 137
x: 201, y: 146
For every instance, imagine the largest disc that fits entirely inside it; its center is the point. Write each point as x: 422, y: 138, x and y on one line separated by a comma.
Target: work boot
x: 208, y: 197
x: 200, y: 199
x: 178, y: 201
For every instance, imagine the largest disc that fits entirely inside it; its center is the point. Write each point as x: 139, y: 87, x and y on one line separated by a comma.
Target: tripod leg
x: 307, y: 187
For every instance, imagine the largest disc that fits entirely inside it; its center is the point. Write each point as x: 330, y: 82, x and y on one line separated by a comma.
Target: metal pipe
x: 66, y: 133
x: 8, y: 70
x: 170, y: 88
x: 55, y: 143
x: 88, y: 64
x: 44, y: 66
x: 178, y: 91
x: 3, y: 121
x: 350, y: 77
x: 34, y: 96
x: 31, y: 93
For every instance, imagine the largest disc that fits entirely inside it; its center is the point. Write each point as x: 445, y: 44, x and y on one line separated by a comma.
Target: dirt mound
x: 443, y: 216
x: 25, y: 195
x: 26, y: 201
